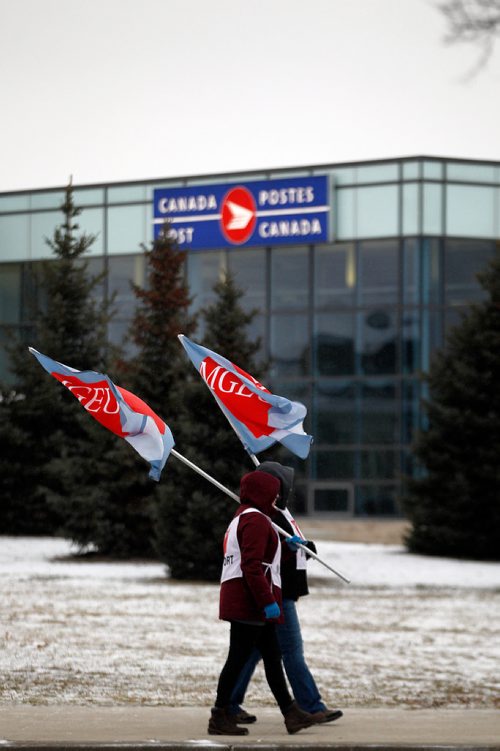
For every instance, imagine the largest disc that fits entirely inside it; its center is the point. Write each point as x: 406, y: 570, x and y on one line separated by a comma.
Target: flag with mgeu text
x: 258, y: 417
x: 117, y: 409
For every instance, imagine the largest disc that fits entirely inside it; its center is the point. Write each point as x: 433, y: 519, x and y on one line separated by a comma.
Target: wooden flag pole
x: 236, y: 498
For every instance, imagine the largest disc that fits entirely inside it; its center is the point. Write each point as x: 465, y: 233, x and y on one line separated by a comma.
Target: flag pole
x: 236, y: 498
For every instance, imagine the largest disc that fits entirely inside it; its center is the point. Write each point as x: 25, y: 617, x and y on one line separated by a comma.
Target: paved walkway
x: 134, y: 727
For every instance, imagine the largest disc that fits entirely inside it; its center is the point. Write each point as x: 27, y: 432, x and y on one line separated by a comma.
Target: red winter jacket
x: 244, y: 598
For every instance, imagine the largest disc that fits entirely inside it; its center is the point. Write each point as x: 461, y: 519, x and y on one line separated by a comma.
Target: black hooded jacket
x: 293, y: 580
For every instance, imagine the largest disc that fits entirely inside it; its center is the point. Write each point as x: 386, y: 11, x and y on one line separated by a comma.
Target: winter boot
x: 222, y: 723
x: 296, y: 719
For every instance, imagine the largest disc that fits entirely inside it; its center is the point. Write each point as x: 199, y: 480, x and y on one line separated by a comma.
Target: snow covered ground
x: 408, y: 631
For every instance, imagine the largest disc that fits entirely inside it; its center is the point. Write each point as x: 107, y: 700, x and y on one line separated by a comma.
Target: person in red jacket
x: 250, y: 599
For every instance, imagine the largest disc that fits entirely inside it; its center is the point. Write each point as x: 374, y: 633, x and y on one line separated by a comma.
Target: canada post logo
x: 264, y: 212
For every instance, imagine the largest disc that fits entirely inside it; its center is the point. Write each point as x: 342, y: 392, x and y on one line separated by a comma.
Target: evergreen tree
x: 192, y: 513
x: 454, y: 505
x: 39, y: 431
x: 124, y: 500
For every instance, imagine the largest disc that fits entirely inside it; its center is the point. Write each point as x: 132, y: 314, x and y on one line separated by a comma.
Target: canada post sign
x: 264, y: 212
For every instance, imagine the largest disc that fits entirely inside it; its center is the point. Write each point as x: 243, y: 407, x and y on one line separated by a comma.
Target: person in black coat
x: 293, y: 586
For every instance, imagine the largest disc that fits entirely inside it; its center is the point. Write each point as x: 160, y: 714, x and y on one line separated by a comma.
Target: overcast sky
x: 111, y: 90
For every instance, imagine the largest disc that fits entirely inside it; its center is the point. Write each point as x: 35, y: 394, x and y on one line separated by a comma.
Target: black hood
x: 285, y: 475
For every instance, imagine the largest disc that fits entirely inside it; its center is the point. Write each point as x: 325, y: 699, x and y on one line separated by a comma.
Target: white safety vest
x: 231, y: 566
x: 301, y: 557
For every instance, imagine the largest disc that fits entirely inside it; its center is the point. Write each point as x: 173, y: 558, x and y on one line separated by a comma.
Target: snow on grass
x: 408, y: 631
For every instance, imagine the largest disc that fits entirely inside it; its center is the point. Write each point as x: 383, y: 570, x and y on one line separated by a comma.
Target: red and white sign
x: 238, y: 215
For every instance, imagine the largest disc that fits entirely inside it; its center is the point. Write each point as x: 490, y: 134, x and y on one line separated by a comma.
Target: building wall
x: 346, y: 326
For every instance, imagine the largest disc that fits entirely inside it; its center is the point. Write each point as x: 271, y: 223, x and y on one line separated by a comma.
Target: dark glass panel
x: 203, y: 271
x: 431, y: 271
x: 334, y: 335
x: 249, y: 269
x: 378, y: 464
x: 10, y: 293
x: 378, y: 275
x: 289, y: 278
x: 411, y: 272
x: 378, y: 348
x: 463, y: 260
x: 410, y: 341
x: 432, y: 335
x: 378, y: 412
x: 290, y: 345
x: 333, y: 465
x: 335, y: 417
x: 335, y: 275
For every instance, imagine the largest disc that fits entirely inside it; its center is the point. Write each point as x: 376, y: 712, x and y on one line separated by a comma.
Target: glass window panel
x: 379, y: 464
x: 334, y: 465
x: 249, y: 269
x: 89, y: 196
x: 431, y: 272
x: 376, y: 500
x: 128, y: 229
x: 43, y: 226
x: 411, y: 211
x: 289, y: 278
x: 343, y: 175
x: 10, y: 293
x: 335, y: 414
x: 335, y: 500
x: 378, y: 341
x: 47, y: 200
x: 203, y: 271
x: 377, y: 211
x: 14, y: 237
x: 378, y: 412
x: 334, y: 350
x: 433, y: 209
x: 15, y: 203
x: 470, y: 211
x: 126, y: 193
x: 375, y: 173
x: 345, y: 208
x: 411, y: 272
x: 474, y: 173
x: 378, y: 272
x: 463, y: 260
x: 411, y: 170
x: 335, y: 275
x: 290, y: 346
x: 433, y: 170
x: 410, y: 341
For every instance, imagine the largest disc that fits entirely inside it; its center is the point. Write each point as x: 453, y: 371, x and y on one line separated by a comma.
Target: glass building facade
x: 347, y: 326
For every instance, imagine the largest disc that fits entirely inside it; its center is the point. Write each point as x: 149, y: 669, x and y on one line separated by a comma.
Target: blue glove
x: 272, y: 611
x: 292, y: 542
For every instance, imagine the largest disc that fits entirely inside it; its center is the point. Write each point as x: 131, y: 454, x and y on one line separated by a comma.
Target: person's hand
x: 272, y: 611
x: 292, y: 542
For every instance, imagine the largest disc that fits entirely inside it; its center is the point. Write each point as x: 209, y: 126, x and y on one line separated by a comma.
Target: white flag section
x: 259, y: 417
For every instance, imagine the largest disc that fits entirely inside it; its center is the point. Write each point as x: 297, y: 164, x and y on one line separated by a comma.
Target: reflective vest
x: 231, y: 567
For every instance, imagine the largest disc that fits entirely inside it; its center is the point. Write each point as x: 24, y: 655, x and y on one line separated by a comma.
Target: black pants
x: 244, y: 638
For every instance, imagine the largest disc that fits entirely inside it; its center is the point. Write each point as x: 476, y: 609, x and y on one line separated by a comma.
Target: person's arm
x: 253, y: 533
